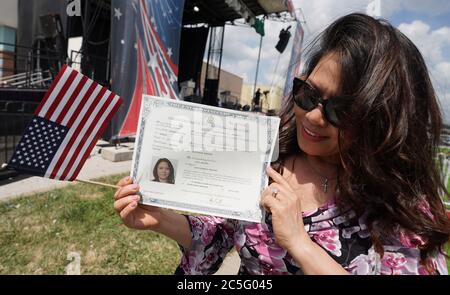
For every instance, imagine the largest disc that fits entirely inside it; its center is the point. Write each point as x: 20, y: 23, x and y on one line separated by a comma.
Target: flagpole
x: 97, y: 183
x: 257, y: 68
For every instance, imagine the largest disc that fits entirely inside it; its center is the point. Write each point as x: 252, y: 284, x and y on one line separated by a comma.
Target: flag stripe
x: 65, y: 97
x: 79, y: 92
x: 99, y: 133
x: 56, y: 101
x: 77, y: 132
x: 97, y: 130
x: 167, y: 81
x: 89, y: 96
x: 147, y: 40
x: 50, y: 90
x: 129, y: 124
x: 45, y: 105
x: 89, y: 91
x: 161, y: 85
x: 83, y: 135
x: 149, y: 80
x: 69, y: 140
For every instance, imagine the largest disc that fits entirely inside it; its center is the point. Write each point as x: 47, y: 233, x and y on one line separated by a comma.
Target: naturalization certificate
x: 203, y: 159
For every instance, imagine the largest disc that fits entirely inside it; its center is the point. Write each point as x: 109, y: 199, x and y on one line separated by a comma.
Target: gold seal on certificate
x: 203, y: 159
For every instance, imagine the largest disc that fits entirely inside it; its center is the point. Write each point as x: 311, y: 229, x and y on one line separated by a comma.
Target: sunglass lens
x: 306, y: 98
x: 333, y: 113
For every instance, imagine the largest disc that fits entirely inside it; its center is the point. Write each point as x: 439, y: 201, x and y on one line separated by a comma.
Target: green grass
x: 445, y: 150
x: 37, y: 233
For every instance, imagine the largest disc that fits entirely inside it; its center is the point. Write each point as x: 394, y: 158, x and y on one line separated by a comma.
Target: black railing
x: 16, y: 109
x: 29, y: 67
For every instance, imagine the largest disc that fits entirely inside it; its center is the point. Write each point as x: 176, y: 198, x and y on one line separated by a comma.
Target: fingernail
x: 136, y: 198
x: 128, y: 178
x: 133, y: 205
x: 135, y: 186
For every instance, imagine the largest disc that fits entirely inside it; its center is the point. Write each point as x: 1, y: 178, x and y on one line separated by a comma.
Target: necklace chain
x: 325, y: 179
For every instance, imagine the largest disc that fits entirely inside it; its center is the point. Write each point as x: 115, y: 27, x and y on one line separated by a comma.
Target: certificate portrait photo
x: 163, y: 171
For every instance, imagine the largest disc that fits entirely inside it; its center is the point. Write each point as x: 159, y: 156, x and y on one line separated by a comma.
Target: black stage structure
x: 42, y: 39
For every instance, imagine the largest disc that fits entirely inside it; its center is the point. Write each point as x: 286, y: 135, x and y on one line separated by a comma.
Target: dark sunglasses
x: 308, y: 98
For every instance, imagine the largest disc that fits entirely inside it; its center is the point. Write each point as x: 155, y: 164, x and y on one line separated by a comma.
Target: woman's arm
x: 176, y: 227
x: 313, y: 260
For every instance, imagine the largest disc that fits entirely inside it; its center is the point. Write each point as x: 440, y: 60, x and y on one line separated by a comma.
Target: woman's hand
x: 285, y: 206
x: 134, y: 215
x: 289, y: 230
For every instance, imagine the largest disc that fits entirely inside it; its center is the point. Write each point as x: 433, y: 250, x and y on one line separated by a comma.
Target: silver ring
x: 274, y: 192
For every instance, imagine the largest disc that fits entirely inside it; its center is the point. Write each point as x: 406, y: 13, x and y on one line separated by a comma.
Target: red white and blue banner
x: 296, y: 54
x: 144, y: 55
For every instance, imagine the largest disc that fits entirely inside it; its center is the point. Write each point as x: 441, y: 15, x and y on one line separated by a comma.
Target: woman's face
x: 163, y: 171
x: 315, y: 135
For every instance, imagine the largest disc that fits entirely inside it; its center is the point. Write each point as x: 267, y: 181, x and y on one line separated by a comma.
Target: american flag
x: 66, y: 125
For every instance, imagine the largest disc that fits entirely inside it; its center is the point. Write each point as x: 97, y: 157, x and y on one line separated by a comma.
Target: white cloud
x: 319, y: 14
x: 433, y: 8
x: 433, y: 44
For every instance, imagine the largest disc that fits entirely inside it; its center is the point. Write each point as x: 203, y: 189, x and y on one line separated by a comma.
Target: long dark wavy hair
x: 391, y: 130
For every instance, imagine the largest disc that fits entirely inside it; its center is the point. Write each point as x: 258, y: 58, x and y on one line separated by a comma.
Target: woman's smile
x: 312, y: 136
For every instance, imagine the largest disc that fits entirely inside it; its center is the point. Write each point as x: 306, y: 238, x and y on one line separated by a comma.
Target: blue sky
x: 426, y: 23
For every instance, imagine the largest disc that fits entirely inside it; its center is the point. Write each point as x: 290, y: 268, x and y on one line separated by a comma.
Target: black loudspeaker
x: 284, y: 36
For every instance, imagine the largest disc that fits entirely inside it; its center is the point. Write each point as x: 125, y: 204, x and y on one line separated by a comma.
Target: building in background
x: 8, y: 29
x: 270, y: 97
x: 230, y: 87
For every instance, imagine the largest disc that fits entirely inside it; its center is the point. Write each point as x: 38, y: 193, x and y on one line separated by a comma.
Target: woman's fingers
x: 126, y: 190
x: 281, y: 192
x: 120, y: 204
x: 282, y: 198
x: 127, y: 210
x: 278, y: 178
x: 268, y: 202
x: 124, y: 181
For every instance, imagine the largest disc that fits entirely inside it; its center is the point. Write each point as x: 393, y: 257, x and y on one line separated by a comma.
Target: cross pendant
x: 325, y: 185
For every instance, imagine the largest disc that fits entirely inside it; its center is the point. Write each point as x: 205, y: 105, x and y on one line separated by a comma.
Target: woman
x: 355, y: 190
x: 163, y: 171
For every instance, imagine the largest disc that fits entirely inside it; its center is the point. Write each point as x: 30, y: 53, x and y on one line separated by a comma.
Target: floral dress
x: 341, y: 234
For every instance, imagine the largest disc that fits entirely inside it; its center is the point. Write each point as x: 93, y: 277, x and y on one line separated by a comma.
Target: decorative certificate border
x: 151, y: 104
